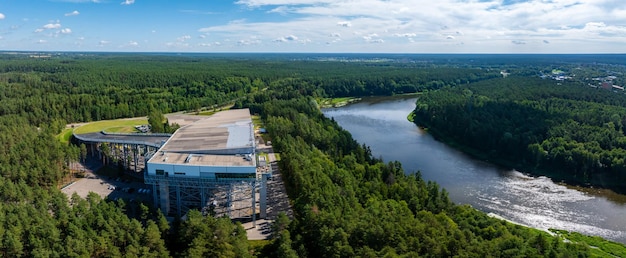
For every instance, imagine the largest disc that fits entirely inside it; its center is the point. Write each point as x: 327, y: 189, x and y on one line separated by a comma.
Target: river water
x: 381, y: 123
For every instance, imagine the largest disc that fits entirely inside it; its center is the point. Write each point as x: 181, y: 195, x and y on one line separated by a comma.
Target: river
x: 537, y: 202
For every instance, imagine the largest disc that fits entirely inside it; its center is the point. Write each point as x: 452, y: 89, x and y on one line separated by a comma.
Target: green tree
x: 156, y: 119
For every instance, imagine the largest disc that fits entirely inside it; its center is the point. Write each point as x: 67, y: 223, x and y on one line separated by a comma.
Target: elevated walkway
x: 130, y: 149
x: 153, y: 140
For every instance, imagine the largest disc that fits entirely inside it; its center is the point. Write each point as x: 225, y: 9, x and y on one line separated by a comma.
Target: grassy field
x: 336, y: 102
x: 256, y: 120
x: 411, y: 117
x: 122, y: 129
x: 120, y: 125
x: 599, y: 246
x: 258, y: 123
x: 65, y: 135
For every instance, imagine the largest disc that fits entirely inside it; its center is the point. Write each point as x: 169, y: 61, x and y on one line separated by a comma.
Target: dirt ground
x: 106, y: 186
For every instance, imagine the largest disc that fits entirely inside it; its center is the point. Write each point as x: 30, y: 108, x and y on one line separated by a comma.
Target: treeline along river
x: 382, y: 124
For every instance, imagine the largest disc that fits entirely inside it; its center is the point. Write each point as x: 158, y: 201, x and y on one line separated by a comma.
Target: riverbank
x: 381, y: 124
x: 599, y: 183
x: 336, y: 102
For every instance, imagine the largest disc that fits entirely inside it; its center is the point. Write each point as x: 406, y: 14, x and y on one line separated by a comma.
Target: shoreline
x: 556, y: 177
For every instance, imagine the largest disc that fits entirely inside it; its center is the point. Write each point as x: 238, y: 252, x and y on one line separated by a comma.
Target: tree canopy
x: 567, y: 131
x: 346, y: 202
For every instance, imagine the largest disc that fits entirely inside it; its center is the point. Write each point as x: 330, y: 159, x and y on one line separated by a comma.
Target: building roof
x: 201, y: 159
x: 222, y: 139
x: 229, y: 129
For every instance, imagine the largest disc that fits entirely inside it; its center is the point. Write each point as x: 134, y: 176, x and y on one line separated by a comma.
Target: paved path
x: 277, y: 201
x: 106, y: 187
x: 262, y: 230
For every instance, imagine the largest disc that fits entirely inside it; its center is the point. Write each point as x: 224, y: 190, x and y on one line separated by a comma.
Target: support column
x: 155, y: 197
x: 125, y: 158
x: 178, y: 201
x: 263, y: 197
x: 164, y: 192
x: 254, y: 204
x: 229, y: 198
x: 145, y: 158
x: 136, y: 157
x: 202, y: 197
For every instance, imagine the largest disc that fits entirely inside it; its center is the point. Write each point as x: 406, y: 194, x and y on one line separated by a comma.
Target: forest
x: 346, y: 202
x: 564, y: 130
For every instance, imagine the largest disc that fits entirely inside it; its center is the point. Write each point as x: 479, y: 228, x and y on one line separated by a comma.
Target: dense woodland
x: 346, y: 202
x: 567, y: 131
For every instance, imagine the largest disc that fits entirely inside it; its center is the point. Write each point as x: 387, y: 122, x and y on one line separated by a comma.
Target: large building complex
x: 209, y: 164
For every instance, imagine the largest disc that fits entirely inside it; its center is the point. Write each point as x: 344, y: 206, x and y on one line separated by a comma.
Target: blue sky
x: 364, y: 26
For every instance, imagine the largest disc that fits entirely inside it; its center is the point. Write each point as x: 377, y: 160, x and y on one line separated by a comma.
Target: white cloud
x: 103, y: 43
x: 183, y: 38
x: 257, y: 3
x: 181, y: 42
x: 373, y: 38
x: 405, y: 35
x: 238, y: 21
x: 250, y: 41
x: 52, y: 26
x: 197, y: 12
x: 484, y: 26
x: 39, y: 30
x: 439, y: 26
x: 286, y: 38
x: 281, y: 10
x: 132, y: 44
x: 344, y: 24
x: 2, y: 16
x: 74, y: 13
x: 42, y: 41
x: 66, y: 31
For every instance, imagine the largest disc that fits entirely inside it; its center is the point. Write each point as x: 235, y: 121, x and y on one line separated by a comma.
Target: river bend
x: 381, y: 123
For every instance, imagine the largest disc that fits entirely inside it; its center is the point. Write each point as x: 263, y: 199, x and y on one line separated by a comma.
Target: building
x: 209, y: 164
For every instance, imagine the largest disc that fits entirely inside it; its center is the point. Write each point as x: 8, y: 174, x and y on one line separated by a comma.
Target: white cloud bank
x: 449, y: 26
x: 74, y: 13
x: 2, y: 16
x: 52, y: 26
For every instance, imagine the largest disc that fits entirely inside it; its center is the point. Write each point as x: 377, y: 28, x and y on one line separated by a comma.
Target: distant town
x: 607, y: 82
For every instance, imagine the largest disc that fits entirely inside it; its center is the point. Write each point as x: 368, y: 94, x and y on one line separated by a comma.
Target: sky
x: 315, y: 26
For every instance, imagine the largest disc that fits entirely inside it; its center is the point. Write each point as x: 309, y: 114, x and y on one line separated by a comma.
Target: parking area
x: 109, y: 187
